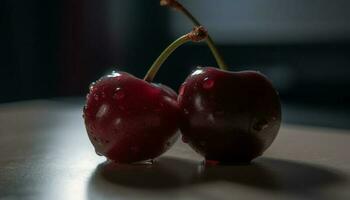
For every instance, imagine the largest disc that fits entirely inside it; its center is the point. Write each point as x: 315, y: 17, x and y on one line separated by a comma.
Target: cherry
x: 230, y: 117
x: 129, y: 119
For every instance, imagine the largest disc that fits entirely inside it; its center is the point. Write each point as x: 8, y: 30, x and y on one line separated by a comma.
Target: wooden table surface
x: 45, y: 154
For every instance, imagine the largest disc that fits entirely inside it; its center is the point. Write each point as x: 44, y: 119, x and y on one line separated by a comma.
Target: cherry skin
x: 129, y: 120
x: 231, y: 117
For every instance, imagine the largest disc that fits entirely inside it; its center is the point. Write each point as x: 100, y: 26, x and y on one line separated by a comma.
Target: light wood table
x: 45, y: 154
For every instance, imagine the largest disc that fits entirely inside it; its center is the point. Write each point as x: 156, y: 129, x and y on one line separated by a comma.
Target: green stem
x: 163, y: 56
x: 220, y: 61
x: 216, y: 54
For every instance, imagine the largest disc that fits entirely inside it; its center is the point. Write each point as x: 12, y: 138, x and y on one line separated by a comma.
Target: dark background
x: 55, y: 48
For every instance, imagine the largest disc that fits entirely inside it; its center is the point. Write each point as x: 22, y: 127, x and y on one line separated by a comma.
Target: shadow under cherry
x: 170, y: 173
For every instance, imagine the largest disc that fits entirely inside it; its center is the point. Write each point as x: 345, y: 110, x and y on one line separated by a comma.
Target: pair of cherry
x: 225, y: 116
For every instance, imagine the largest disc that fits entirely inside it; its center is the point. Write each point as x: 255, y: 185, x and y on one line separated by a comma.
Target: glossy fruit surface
x: 130, y: 120
x: 229, y: 116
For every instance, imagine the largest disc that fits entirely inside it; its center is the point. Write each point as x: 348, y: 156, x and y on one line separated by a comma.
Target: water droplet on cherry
x: 113, y: 74
x: 208, y: 83
x: 118, y: 121
x: 260, y: 125
x: 199, y: 103
x: 197, y: 71
x: 96, y: 97
x: 118, y: 94
x: 102, y: 111
x: 91, y: 87
x: 84, y: 110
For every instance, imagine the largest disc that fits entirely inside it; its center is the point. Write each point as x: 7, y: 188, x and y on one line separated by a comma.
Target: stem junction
x: 179, y: 7
x: 196, y: 35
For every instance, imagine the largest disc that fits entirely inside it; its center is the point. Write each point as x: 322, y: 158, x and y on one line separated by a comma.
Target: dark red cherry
x: 229, y: 116
x: 129, y: 119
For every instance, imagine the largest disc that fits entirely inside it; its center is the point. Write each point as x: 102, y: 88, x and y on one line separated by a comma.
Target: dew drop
x: 118, y: 94
x: 102, y: 111
x: 91, y: 87
x: 208, y: 83
x: 96, y: 97
x: 84, y: 111
x: 113, y: 74
x: 199, y: 103
x: 118, y: 121
x: 260, y: 125
x: 197, y: 71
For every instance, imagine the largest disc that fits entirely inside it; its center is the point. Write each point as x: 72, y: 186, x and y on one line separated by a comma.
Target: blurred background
x: 54, y: 49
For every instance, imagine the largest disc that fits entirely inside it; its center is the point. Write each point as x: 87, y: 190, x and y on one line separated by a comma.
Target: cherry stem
x: 178, y: 6
x: 196, y: 35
